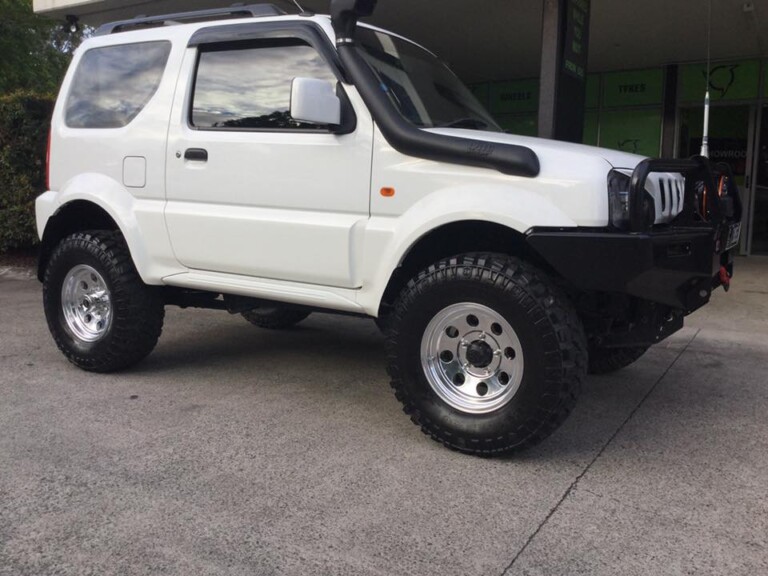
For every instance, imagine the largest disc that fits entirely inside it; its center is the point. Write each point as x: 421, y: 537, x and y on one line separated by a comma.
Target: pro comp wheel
x: 100, y: 314
x: 472, y: 358
x: 486, y: 355
x: 607, y: 360
x: 275, y: 317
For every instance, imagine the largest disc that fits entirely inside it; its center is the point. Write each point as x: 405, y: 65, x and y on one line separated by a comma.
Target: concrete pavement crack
x: 600, y: 452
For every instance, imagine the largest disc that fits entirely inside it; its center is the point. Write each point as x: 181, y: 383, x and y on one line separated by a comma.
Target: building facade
x: 645, y: 77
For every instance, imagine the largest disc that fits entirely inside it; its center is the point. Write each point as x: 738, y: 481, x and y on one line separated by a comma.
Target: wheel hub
x: 472, y: 358
x: 86, y: 303
x: 479, y: 354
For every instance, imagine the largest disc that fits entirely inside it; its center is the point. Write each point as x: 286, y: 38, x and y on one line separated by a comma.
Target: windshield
x: 420, y: 86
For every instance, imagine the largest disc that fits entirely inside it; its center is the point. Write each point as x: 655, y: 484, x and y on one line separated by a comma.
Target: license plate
x: 734, y: 233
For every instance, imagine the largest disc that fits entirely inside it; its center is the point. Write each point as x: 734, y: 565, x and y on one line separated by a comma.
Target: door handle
x: 196, y: 154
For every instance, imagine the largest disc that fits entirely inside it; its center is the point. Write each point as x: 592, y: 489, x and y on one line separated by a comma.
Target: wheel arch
x: 72, y: 217
x: 96, y: 201
x: 451, y: 239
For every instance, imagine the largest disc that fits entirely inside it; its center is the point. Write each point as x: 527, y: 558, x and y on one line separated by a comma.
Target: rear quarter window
x: 113, y: 84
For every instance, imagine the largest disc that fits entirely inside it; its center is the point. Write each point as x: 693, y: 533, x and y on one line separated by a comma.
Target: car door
x: 249, y: 190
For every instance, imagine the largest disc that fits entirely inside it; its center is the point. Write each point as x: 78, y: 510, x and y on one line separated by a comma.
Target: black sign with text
x: 571, y: 83
x: 576, y: 40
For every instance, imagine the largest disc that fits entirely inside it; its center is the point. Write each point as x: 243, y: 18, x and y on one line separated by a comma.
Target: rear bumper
x: 677, y: 267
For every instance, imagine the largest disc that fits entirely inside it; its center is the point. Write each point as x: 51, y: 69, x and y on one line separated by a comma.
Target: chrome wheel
x: 86, y: 303
x: 472, y: 358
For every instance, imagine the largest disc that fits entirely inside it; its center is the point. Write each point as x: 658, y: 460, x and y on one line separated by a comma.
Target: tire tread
x: 542, y: 300
x: 138, y: 309
x: 278, y: 318
x: 608, y: 360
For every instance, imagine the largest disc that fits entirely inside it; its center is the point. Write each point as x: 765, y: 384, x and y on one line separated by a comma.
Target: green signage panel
x: 515, y: 96
x: 635, y: 131
x: 523, y: 124
x: 724, y: 122
x: 591, y: 119
x: 635, y: 88
x: 482, y: 92
x: 593, y: 91
x: 727, y: 81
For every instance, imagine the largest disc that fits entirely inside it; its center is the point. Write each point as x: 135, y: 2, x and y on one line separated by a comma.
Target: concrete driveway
x: 237, y: 451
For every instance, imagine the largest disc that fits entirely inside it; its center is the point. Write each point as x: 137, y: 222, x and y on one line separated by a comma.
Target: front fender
x: 389, y: 239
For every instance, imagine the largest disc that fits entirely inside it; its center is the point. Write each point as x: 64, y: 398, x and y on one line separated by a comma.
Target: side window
x: 249, y: 86
x: 113, y: 84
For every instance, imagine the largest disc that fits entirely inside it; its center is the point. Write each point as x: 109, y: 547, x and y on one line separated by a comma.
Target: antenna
x: 705, y: 134
x: 301, y: 10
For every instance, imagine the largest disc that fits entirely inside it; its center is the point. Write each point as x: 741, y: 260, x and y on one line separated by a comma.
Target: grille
x: 668, y: 192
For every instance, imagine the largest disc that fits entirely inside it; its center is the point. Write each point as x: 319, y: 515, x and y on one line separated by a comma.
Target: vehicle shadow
x: 356, y: 342
x: 327, y: 350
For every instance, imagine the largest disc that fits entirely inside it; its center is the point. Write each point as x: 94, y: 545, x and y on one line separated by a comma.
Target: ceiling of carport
x: 500, y: 39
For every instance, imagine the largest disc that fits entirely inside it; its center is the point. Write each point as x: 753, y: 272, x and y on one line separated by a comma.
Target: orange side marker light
x: 387, y: 192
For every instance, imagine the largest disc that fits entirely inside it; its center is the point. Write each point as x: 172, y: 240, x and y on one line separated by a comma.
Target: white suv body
x: 333, y: 239
x: 316, y: 218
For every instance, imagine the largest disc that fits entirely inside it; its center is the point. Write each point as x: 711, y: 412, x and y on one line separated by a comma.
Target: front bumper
x: 677, y: 264
x: 677, y: 267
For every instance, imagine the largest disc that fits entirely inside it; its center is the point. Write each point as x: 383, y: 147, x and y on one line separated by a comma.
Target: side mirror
x: 315, y: 101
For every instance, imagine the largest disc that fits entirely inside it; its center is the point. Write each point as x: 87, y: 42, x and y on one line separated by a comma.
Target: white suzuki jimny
x: 272, y: 165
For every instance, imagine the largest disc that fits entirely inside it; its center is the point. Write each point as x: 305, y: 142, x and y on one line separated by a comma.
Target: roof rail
x: 253, y: 10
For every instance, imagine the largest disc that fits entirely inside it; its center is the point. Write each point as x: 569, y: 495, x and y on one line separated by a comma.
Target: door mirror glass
x: 315, y: 101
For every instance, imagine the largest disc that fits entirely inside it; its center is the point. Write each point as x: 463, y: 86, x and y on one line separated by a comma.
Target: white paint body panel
x: 297, y: 216
x: 282, y: 205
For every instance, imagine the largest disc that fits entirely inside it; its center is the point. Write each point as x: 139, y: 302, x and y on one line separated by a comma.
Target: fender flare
x: 123, y: 208
x: 389, y: 240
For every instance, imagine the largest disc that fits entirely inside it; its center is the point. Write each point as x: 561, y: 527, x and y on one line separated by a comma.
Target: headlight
x: 618, y: 201
x: 618, y: 198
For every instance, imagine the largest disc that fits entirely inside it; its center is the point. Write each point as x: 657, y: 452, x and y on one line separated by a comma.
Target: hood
x: 545, y: 147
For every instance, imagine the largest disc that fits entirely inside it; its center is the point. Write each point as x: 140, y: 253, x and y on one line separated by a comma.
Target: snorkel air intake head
x: 344, y: 17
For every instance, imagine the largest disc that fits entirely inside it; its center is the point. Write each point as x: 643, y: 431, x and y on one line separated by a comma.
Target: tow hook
x: 725, y: 278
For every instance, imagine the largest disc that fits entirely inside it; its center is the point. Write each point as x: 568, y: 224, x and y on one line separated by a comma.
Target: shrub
x: 24, y: 124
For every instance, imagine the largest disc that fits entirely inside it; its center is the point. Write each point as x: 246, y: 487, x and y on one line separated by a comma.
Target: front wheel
x: 100, y: 314
x: 485, y: 353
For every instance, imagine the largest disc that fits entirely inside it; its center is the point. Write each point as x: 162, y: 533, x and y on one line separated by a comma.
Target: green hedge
x: 24, y: 124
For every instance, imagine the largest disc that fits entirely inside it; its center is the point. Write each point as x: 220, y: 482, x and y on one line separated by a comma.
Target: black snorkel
x: 403, y: 136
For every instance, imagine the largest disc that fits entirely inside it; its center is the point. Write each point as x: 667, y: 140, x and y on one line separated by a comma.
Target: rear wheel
x: 485, y: 353
x: 275, y: 317
x: 100, y: 313
x: 607, y: 360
